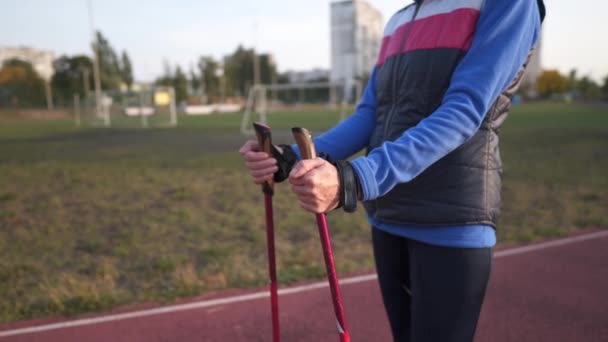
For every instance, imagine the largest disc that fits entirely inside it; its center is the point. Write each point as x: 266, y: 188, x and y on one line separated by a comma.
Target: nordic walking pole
x: 263, y: 133
x: 307, y: 150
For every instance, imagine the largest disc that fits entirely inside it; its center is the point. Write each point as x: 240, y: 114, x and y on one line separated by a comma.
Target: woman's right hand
x: 261, y: 165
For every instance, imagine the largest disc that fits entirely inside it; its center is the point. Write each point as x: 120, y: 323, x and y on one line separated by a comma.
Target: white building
x: 41, y: 61
x: 356, y: 37
x: 314, y: 75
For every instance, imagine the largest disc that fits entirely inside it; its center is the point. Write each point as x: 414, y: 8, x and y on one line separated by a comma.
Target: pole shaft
x: 307, y: 150
x: 330, y: 266
x: 272, y: 269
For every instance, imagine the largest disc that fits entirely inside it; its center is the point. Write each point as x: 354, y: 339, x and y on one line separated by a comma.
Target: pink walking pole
x: 263, y: 134
x: 307, y: 150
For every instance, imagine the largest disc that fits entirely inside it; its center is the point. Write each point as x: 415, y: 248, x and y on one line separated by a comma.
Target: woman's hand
x: 261, y: 166
x: 316, y: 184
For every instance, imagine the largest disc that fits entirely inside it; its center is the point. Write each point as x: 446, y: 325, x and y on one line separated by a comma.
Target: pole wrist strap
x: 349, y: 185
x: 285, y: 162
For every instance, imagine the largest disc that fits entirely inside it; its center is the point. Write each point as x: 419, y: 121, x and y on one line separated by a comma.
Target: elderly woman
x: 431, y: 180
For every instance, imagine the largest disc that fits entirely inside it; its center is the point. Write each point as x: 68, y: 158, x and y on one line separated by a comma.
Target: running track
x: 552, y: 291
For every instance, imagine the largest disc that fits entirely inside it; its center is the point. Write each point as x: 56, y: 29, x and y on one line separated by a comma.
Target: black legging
x: 430, y: 293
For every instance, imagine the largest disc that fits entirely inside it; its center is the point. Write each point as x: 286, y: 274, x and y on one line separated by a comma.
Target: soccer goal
x: 150, y: 107
x: 295, y: 97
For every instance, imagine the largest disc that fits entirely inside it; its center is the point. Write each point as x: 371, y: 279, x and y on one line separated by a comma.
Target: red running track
x: 553, y: 291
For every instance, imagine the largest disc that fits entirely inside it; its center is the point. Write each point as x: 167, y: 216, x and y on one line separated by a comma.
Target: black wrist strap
x: 285, y: 162
x: 349, y: 183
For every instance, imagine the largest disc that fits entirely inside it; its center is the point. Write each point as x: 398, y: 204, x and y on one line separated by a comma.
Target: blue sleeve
x: 506, y: 32
x: 352, y: 134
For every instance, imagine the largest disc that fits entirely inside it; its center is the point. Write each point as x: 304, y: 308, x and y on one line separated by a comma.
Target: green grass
x: 555, y: 162
x: 94, y: 218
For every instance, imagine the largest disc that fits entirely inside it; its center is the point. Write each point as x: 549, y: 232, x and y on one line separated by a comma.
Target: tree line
x: 210, y: 80
x: 552, y: 83
x: 21, y: 86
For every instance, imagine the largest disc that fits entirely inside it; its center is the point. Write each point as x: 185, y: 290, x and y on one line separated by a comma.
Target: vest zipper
x: 389, y: 115
x: 402, y: 44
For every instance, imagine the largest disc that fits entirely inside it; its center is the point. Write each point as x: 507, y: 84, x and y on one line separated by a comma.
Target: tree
x: 180, y: 84
x: 177, y: 80
x: 195, y: 81
x: 268, y: 69
x: 605, y: 88
x: 589, y: 89
x: 551, y: 82
x: 166, y: 79
x: 238, y: 71
x: 126, y: 70
x: 572, y: 80
x: 208, y: 68
x: 20, y: 85
x: 73, y: 75
x: 109, y: 65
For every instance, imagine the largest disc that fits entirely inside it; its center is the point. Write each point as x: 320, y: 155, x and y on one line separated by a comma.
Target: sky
x: 296, y: 32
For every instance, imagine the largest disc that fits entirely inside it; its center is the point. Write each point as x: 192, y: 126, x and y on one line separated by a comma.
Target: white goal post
x: 265, y: 98
x: 148, y: 107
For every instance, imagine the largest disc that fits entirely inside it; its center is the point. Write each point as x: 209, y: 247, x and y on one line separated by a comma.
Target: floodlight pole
x: 49, y: 95
x: 85, y: 81
x: 256, y: 68
x: 221, y: 72
x: 172, y: 107
x: 96, y: 72
x: 273, y: 81
x: 202, y: 65
x: 256, y: 59
x: 77, y: 110
x: 144, y: 118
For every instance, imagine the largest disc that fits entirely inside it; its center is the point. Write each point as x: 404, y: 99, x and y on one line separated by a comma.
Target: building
x: 41, y: 61
x: 314, y: 75
x: 356, y: 37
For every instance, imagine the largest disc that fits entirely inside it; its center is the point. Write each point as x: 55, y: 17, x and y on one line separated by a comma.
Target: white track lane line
x: 265, y: 294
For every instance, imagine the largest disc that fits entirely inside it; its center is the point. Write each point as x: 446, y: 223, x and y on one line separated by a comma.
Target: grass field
x: 91, y: 219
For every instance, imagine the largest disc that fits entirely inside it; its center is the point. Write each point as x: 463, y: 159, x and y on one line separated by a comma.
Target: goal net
x: 295, y: 97
x: 150, y: 107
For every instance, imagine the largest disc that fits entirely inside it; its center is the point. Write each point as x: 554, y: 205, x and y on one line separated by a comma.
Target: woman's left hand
x: 316, y: 184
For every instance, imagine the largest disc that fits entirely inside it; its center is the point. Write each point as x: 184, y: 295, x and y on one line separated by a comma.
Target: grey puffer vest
x: 464, y: 186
